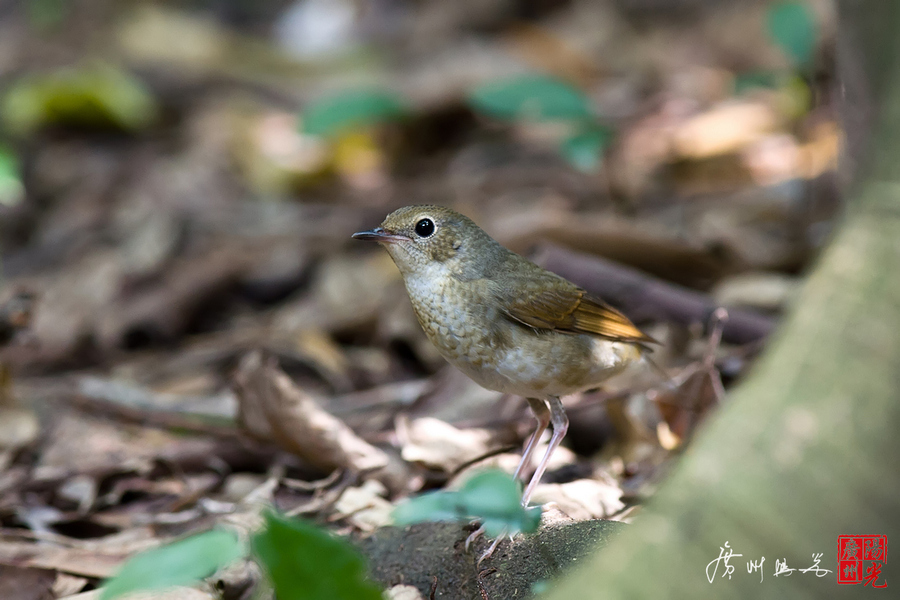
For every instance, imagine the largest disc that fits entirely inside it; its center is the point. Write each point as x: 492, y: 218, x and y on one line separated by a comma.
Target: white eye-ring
x: 425, y: 227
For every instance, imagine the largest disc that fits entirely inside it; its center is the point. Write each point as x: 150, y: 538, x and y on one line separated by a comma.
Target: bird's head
x: 419, y: 238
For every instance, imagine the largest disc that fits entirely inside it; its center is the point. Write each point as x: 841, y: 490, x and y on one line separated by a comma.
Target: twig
x: 481, y: 457
x: 312, y: 486
x: 717, y: 324
x: 480, y: 580
x: 153, y: 417
x: 325, y: 498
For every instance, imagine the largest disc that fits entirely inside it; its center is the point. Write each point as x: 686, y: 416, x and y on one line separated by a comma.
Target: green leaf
x: 306, y: 563
x: 98, y: 96
x: 351, y: 110
x: 491, y: 496
x: 180, y: 563
x: 431, y: 506
x: 535, y: 97
x: 584, y: 149
x: 11, y: 189
x: 796, y: 97
x: 793, y: 28
x: 756, y: 79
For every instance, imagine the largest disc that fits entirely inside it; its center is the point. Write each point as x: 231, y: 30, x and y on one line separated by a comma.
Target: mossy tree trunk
x: 808, y: 448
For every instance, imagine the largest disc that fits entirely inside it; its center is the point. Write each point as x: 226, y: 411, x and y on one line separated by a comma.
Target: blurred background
x: 179, y: 182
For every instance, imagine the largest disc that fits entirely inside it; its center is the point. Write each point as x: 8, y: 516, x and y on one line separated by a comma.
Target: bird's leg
x: 474, y: 536
x: 553, y: 409
x: 490, y: 551
x: 542, y: 414
x: 560, y: 423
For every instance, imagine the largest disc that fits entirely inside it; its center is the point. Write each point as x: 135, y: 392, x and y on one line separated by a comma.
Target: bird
x: 507, y: 323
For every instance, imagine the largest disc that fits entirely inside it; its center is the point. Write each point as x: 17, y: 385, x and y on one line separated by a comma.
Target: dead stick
x: 155, y: 417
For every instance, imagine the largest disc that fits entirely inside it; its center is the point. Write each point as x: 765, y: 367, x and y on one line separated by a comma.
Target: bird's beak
x: 379, y: 234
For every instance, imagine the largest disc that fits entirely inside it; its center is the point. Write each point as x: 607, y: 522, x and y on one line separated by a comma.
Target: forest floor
x: 181, y: 301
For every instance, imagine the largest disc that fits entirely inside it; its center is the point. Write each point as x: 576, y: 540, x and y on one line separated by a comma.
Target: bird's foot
x: 474, y: 536
x: 490, y: 551
x: 493, y: 547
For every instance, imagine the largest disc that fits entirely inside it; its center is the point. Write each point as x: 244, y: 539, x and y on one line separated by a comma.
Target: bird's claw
x: 490, y: 551
x: 480, y: 532
x: 474, y: 536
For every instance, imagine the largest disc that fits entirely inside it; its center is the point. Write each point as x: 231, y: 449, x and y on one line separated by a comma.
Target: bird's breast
x: 549, y: 363
x: 457, y: 320
x: 469, y: 331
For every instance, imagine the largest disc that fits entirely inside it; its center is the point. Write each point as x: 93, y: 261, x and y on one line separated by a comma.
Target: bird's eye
x: 424, y: 228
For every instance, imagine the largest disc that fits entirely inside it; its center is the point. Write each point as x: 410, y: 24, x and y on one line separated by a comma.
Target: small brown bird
x: 510, y: 325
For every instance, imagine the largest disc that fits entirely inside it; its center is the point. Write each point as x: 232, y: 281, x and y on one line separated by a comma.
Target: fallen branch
x: 155, y: 416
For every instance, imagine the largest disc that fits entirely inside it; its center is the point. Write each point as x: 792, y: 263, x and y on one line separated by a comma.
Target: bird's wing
x: 571, y: 310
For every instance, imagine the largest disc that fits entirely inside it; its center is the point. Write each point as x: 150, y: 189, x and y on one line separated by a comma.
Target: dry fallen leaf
x: 98, y: 558
x: 71, y: 302
x: 67, y: 585
x: 98, y: 446
x: 583, y: 498
x: 162, y: 311
x: 724, y: 129
x: 365, y: 506
x: 175, y: 593
x: 18, y: 427
x: 24, y: 583
x: 271, y: 407
x: 439, y: 445
x: 766, y: 291
x: 403, y: 592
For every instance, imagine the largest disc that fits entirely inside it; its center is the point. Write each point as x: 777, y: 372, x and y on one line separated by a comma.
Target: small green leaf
x: 351, y: 110
x: 796, y: 97
x: 98, y: 95
x: 306, y: 563
x: 180, y: 563
x: 793, y: 28
x: 749, y: 80
x: 535, y: 97
x: 11, y: 189
x: 584, y: 149
x: 491, y: 496
x: 431, y: 506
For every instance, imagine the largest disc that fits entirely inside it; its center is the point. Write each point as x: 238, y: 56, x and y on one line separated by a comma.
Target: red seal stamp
x: 860, y: 559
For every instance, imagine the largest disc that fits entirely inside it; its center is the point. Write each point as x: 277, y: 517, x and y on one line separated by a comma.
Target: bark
x: 807, y: 448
